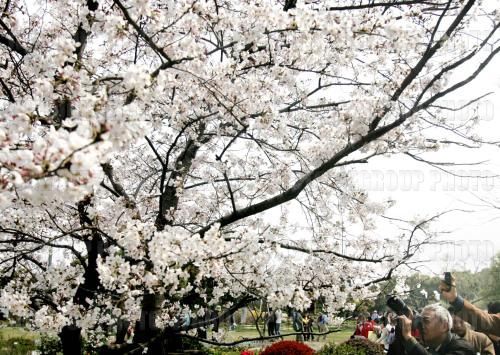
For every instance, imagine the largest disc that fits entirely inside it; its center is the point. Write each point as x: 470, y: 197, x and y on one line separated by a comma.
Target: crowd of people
x: 461, y: 329
x: 377, y: 328
x: 303, y: 324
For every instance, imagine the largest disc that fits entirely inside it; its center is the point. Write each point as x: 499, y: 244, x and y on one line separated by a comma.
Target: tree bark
x: 71, y: 335
x: 71, y: 340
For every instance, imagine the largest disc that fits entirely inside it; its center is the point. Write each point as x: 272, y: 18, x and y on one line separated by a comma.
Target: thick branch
x: 11, y: 43
x: 300, y: 184
x: 325, y: 251
x: 7, y: 91
x: 429, y: 53
x: 383, y: 4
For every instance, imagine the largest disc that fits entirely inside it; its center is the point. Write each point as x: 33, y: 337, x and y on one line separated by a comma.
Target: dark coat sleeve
x: 458, y: 346
x: 412, y: 347
x: 454, y: 347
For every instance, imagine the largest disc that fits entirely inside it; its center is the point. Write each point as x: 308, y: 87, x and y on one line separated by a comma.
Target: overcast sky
x: 419, y: 189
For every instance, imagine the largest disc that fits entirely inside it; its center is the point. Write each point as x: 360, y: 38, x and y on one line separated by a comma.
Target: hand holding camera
x: 406, y: 326
x: 407, y: 321
x: 448, y: 288
x: 405, y: 313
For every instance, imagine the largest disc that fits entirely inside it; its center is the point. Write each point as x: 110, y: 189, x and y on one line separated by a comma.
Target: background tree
x: 490, y: 289
x: 143, y: 142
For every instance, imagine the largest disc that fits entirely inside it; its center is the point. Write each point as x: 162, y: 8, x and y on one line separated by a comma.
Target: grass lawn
x: 17, y: 341
x: 7, y: 333
x: 246, y: 332
x: 242, y: 332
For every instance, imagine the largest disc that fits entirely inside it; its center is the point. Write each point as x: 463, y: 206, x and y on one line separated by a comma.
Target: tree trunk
x: 71, y: 335
x: 121, y: 330
x: 146, y: 329
x: 71, y: 340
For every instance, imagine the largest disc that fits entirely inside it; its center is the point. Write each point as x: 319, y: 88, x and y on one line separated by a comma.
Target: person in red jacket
x: 363, y: 327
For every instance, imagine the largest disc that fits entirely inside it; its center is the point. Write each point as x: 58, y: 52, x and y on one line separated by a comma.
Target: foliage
x: 386, y: 289
x: 490, y: 287
x: 191, y: 344
x: 287, y: 347
x: 421, y: 290
x: 364, y: 306
x: 224, y: 351
x: 50, y: 345
x: 253, y: 315
x: 472, y: 285
x: 341, y: 349
x: 369, y: 347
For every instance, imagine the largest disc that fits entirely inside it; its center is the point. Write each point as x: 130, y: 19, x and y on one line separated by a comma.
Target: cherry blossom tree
x: 156, y: 154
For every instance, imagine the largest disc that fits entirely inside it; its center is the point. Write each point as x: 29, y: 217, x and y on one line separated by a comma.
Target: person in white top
x: 279, y: 317
x: 384, y: 338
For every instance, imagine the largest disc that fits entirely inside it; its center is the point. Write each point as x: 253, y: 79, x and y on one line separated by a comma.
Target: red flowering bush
x: 247, y: 352
x: 288, y: 347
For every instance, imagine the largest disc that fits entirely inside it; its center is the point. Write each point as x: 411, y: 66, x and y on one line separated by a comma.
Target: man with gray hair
x: 436, y: 334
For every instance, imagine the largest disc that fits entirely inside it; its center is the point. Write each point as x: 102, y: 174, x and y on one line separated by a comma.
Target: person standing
x: 322, y: 325
x: 298, y: 326
x: 363, y: 327
x: 216, y: 321
x: 271, y: 322
x: 232, y: 323
x: 278, y: 317
x: 308, y: 327
x: 385, y: 332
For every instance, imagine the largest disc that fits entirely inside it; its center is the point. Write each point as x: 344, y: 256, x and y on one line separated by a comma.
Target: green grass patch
x: 17, y: 341
x: 16, y: 346
x: 7, y: 333
x: 247, y: 332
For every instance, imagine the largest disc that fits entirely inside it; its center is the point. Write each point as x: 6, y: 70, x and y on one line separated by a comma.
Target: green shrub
x: 223, y: 351
x: 352, y: 347
x: 50, y: 345
x: 368, y: 346
x: 191, y: 344
x: 342, y: 349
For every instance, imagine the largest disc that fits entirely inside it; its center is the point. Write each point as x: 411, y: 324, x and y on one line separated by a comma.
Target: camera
x: 448, y: 280
x: 401, y: 309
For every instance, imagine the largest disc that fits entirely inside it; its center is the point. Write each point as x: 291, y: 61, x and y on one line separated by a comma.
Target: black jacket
x: 453, y: 346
